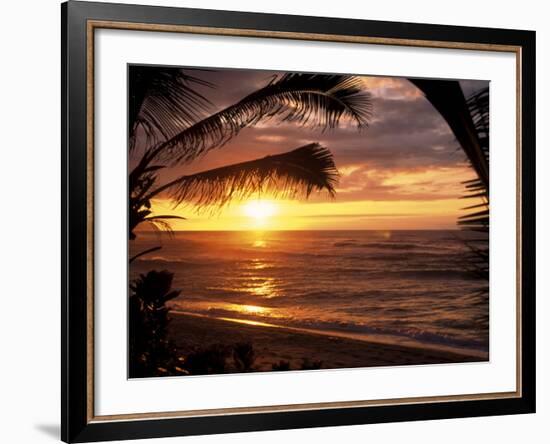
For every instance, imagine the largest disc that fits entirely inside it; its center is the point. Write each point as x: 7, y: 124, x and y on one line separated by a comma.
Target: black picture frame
x: 76, y: 423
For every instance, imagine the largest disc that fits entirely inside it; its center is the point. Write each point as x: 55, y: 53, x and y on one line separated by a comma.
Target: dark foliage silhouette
x: 177, y: 124
x: 315, y: 100
x: 161, y: 101
x: 305, y: 365
x: 151, y: 353
x: 311, y: 365
x: 281, y: 366
x: 244, y: 357
x: 172, y: 123
x: 205, y: 361
x: 468, y: 118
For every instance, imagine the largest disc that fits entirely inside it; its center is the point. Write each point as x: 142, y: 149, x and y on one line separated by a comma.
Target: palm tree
x: 468, y: 118
x: 166, y: 106
x: 168, y: 111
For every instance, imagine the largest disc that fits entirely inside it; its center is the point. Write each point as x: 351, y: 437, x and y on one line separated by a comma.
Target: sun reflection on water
x: 264, y: 287
x: 243, y: 309
x: 258, y: 264
x: 252, y: 309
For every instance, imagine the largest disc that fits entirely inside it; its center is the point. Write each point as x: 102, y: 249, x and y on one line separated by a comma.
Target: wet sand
x: 273, y: 344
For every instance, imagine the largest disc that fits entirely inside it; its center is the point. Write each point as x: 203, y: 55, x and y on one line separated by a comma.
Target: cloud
x: 408, y: 151
x: 355, y: 216
x: 420, y: 183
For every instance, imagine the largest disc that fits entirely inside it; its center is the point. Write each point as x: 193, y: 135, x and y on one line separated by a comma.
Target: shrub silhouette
x: 306, y: 365
x: 311, y: 365
x: 151, y: 354
x: 281, y: 366
x: 244, y: 357
x: 206, y: 360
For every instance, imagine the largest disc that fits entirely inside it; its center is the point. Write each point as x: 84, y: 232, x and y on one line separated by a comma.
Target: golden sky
x: 332, y: 214
x: 403, y: 172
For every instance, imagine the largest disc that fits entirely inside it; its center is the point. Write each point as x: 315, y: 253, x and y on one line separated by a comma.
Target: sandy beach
x: 273, y: 344
x: 291, y: 251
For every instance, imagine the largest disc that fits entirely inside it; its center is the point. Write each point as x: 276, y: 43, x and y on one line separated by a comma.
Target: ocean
x: 403, y: 287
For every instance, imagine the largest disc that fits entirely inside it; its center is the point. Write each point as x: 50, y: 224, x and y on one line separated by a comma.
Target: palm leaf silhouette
x: 447, y: 97
x: 162, y: 101
x: 306, y: 99
x: 469, y: 121
x: 161, y: 94
x: 478, y: 218
x: 297, y: 172
x: 478, y: 105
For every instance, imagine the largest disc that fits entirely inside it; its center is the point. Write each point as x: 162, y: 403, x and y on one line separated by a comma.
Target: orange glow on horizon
x: 425, y: 199
x: 296, y: 215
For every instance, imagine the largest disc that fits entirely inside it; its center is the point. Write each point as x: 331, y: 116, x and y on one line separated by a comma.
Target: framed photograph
x: 276, y: 221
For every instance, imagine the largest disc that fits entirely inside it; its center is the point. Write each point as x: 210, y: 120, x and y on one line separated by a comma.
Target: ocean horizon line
x: 298, y: 230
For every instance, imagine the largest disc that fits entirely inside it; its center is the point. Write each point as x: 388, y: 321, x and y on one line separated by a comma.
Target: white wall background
x: 30, y: 207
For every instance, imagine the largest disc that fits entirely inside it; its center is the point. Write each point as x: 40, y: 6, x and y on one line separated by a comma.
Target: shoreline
x: 335, y: 230
x: 382, y: 339
x: 273, y: 343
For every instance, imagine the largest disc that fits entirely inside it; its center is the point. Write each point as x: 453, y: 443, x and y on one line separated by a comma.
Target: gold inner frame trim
x: 98, y: 24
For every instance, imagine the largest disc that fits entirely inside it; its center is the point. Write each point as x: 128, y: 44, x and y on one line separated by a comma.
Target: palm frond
x: 477, y: 218
x: 161, y: 222
x: 479, y: 205
x: 159, y: 225
x: 143, y: 253
x: 292, y: 174
x: 163, y: 101
x: 306, y: 99
x: 467, y: 120
x: 478, y: 107
x: 478, y: 104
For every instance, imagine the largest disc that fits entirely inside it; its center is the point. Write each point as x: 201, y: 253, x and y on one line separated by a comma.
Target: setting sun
x: 260, y: 210
x: 282, y: 237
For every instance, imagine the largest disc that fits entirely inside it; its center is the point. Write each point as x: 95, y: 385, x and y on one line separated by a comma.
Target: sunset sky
x: 403, y: 172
